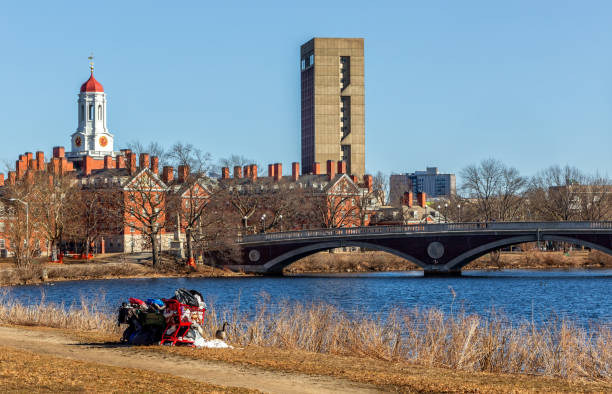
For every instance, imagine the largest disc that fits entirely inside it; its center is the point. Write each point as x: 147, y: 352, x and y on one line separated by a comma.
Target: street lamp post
x: 244, y: 221
x: 459, y: 208
x: 439, y: 218
x: 27, y: 207
x: 263, y: 223
x: 280, y: 219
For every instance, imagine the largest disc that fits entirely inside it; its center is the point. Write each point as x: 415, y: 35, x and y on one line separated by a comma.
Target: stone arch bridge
x: 440, y: 249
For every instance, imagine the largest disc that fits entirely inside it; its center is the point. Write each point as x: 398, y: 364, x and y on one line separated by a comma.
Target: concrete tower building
x: 91, y: 138
x: 333, y: 103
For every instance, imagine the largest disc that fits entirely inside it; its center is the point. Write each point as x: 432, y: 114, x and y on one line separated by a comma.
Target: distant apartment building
x: 429, y: 181
x: 333, y: 103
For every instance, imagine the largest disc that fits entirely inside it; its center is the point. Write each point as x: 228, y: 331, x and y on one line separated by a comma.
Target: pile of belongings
x: 174, y: 321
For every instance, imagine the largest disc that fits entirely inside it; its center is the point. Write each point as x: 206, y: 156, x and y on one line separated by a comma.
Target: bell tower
x: 91, y: 138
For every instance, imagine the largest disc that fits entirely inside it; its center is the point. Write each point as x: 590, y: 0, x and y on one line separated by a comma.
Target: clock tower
x: 91, y: 137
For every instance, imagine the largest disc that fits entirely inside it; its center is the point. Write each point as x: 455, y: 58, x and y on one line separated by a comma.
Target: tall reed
x: 425, y: 336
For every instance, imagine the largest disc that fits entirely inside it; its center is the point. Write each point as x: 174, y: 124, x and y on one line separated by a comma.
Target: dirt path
x: 206, y: 371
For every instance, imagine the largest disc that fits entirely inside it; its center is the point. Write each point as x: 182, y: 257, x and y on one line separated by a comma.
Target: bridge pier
x: 441, y: 274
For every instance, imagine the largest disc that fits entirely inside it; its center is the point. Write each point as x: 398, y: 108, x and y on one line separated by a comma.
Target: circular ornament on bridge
x: 254, y: 255
x: 435, y: 250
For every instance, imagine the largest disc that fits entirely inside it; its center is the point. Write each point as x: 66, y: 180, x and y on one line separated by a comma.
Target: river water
x: 581, y: 295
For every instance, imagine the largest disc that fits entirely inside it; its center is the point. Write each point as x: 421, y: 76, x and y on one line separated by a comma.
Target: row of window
x: 90, y: 112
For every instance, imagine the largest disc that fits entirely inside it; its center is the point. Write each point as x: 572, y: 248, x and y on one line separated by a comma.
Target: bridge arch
x: 465, y: 258
x: 278, y: 263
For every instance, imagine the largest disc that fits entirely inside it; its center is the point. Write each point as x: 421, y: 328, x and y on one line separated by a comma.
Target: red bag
x: 136, y: 301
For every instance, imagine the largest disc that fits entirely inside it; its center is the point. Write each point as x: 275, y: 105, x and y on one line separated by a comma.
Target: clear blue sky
x: 448, y: 83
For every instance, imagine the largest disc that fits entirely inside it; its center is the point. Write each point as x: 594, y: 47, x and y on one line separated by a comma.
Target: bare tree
x: 380, y: 187
x: 50, y: 206
x: 145, y: 202
x: 21, y: 225
x: 187, y: 154
x: 94, y: 212
x: 152, y: 148
x: 332, y: 210
x: 494, y: 188
x: 554, y: 193
x: 189, y: 206
x: 566, y: 193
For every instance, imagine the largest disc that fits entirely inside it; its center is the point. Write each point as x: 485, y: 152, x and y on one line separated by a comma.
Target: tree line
x: 493, y: 191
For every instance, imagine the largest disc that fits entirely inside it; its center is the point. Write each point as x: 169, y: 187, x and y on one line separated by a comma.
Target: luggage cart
x: 180, y: 316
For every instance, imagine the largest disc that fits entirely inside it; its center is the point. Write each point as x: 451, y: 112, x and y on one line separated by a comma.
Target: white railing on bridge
x: 424, y: 228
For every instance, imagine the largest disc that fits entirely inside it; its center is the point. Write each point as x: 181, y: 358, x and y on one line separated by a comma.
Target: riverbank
x: 314, y: 348
x: 325, y: 262
x: 115, y: 266
x: 118, y: 266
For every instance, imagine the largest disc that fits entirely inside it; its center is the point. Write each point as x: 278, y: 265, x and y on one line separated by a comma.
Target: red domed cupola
x: 92, y: 85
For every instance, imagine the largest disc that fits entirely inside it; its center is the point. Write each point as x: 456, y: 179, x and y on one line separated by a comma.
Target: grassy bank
x: 428, y: 338
x: 380, y: 261
x: 105, y: 267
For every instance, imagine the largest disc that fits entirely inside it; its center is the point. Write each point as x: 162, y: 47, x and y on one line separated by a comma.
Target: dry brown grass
x: 85, y: 316
x: 351, y: 262
x: 24, y: 371
x: 425, y: 337
x: 381, y: 261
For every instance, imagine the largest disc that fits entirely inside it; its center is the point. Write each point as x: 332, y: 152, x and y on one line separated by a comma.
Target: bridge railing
x: 418, y: 228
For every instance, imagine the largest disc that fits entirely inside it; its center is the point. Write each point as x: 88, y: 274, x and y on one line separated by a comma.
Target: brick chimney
x: 144, y: 160
x: 168, y: 175
x: 58, y: 151
x: 422, y: 199
x: 29, y: 156
x: 20, y: 167
x: 108, y: 162
x: 131, y: 162
x: 316, y: 168
x: 237, y: 172
x: 64, y: 165
x: 29, y: 177
x: 1, y: 179
x: 407, y: 200
x: 246, y: 170
x: 278, y: 171
x: 87, y: 165
x: 295, y: 171
x: 40, y: 161
x: 120, y: 162
x: 54, y: 166
x: 183, y: 173
x: 155, y: 165
x: 354, y: 179
x: 12, y: 177
x: 271, y: 168
x: 32, y: 164
x: 341, y: 167
x: 225, y: 173
x: 368, y: 182
x: 331, y: 169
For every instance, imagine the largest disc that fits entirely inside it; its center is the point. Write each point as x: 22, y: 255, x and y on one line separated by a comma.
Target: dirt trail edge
x: 213, y: 372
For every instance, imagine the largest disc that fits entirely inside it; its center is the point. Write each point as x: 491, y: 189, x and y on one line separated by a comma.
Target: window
x: 2, y: 244
x: 91, y: 111
x: 82, y: 113
x: 99, y: 112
